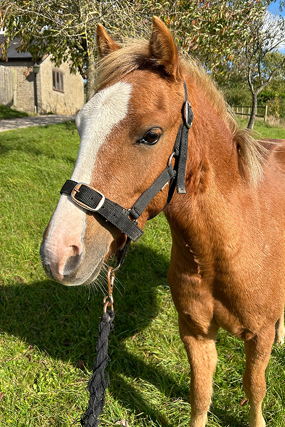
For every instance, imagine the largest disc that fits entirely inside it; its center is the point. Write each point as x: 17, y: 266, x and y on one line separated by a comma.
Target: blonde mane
x: 136, y: 55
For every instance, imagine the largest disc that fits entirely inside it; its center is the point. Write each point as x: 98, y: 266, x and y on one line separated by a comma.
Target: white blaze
x: 94, y: 123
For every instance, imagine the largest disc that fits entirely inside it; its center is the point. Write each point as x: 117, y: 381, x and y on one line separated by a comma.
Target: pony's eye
x: 151, y: 137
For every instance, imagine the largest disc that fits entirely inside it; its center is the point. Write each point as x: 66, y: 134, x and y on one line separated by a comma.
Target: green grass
x: 8, y: 113
x: 265, y: 130
x: 47, y: 329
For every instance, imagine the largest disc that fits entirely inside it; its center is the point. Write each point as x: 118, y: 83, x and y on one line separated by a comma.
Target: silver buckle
x: 76, y: 189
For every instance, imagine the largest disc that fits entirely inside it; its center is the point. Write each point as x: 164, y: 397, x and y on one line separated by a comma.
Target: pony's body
x: 227, y: 263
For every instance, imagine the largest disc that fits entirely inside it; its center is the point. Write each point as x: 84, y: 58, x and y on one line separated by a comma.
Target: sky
x: 274, y: 8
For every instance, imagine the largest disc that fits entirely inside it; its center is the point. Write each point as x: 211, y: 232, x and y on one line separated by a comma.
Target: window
x: 57, y: 80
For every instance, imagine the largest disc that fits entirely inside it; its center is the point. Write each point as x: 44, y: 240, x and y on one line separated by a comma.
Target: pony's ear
x: 163, y: 48
x: 105, y: 44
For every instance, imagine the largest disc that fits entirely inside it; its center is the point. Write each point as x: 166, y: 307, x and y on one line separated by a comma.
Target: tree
x: 262, y: 60
x: 215, y: 31
x: 65, y: 29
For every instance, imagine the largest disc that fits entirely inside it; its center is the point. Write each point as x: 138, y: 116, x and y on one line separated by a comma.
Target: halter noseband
x: 125, y: 220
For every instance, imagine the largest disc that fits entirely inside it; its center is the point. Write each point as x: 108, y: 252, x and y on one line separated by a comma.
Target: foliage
x: 215, y: 31
x: 259, y: 75
x: 66, y: 29
x: 261, y: 61
x: 237, y: 93
x: 48, y: 331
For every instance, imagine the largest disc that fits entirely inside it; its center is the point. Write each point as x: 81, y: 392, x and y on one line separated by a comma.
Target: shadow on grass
x: 63, y: 322
x: 7, y: 113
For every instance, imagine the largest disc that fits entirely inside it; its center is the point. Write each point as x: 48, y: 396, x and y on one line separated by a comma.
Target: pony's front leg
x: 257, y: 352
x: 202, y: 356
x: 280, y: 329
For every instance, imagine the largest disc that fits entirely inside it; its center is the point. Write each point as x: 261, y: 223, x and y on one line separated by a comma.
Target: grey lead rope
x: 99, y: 381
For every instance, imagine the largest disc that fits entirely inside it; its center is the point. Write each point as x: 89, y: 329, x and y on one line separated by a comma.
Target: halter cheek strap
x: 125, y: 220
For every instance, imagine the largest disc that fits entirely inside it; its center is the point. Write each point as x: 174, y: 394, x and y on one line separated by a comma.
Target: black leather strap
x: 114, y: 213
x: 143, y: 201
x: 182, y: 160
x: 181, y: 145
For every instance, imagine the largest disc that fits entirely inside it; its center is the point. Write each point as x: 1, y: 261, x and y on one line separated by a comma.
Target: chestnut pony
x: 228, y: 230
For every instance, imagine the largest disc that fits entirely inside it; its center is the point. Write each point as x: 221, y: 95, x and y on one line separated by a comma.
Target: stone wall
x: 70, y: 101
x: 24, y: 93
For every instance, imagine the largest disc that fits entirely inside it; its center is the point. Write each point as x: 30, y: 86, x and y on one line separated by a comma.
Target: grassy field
x: 265, y: 130
x: 48, y: 332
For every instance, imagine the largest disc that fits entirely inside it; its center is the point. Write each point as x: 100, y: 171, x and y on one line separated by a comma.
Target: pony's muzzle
x: 61, y: 264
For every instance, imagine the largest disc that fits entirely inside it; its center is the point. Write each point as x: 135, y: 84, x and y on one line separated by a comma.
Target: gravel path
x: 24, y: 122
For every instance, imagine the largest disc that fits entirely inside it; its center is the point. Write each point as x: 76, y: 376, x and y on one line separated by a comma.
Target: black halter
x: 126, y: 219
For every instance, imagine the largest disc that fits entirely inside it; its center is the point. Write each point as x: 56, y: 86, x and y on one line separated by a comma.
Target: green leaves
x: 215, y: 32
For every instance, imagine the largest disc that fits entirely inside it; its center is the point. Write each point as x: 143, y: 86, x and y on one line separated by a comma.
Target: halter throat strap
x: 125, y: 220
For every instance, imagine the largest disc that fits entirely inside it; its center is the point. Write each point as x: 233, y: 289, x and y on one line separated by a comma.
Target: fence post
x: 265, y: 113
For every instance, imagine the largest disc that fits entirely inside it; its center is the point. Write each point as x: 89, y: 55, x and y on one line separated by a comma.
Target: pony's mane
x: 136, y: 55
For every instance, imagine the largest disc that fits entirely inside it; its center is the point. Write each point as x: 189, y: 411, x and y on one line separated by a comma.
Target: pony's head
x: 128, y: 130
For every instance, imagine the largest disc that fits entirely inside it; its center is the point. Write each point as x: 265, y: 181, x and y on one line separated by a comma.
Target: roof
x: 12, y: 52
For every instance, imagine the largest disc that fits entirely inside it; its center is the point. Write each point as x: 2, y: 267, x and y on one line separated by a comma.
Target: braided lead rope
x: 99, y: 381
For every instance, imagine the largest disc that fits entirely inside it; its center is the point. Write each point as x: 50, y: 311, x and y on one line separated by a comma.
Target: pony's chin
x: 82, y: 280
x: 77, y: 279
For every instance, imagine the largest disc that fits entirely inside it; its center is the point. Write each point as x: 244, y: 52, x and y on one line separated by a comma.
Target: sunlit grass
x: 265, y: 130
x: 47, y: 329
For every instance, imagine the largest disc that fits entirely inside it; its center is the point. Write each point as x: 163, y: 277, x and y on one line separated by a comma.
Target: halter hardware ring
x: 171, y: 157
x: 76, y: 189
x: 108, y: 303
x: 188, y: 114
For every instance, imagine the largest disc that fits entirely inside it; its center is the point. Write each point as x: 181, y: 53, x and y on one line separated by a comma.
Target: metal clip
x: 108, y: 301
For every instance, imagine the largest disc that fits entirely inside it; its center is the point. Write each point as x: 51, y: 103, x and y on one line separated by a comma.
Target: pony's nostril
x: 74, y: 250
x: 71, y: 264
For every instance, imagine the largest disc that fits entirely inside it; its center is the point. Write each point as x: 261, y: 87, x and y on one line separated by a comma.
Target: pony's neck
x: 197, y: 218
x: 213, y: 158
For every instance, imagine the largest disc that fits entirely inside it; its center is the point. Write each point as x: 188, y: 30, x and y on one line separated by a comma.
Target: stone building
x: 40, y: 87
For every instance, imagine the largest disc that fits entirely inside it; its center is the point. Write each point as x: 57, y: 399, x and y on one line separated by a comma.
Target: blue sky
x: 274, y: 8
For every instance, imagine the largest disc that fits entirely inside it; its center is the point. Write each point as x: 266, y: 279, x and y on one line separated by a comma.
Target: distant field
x: 48, y: 332
x: 265, y: 130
